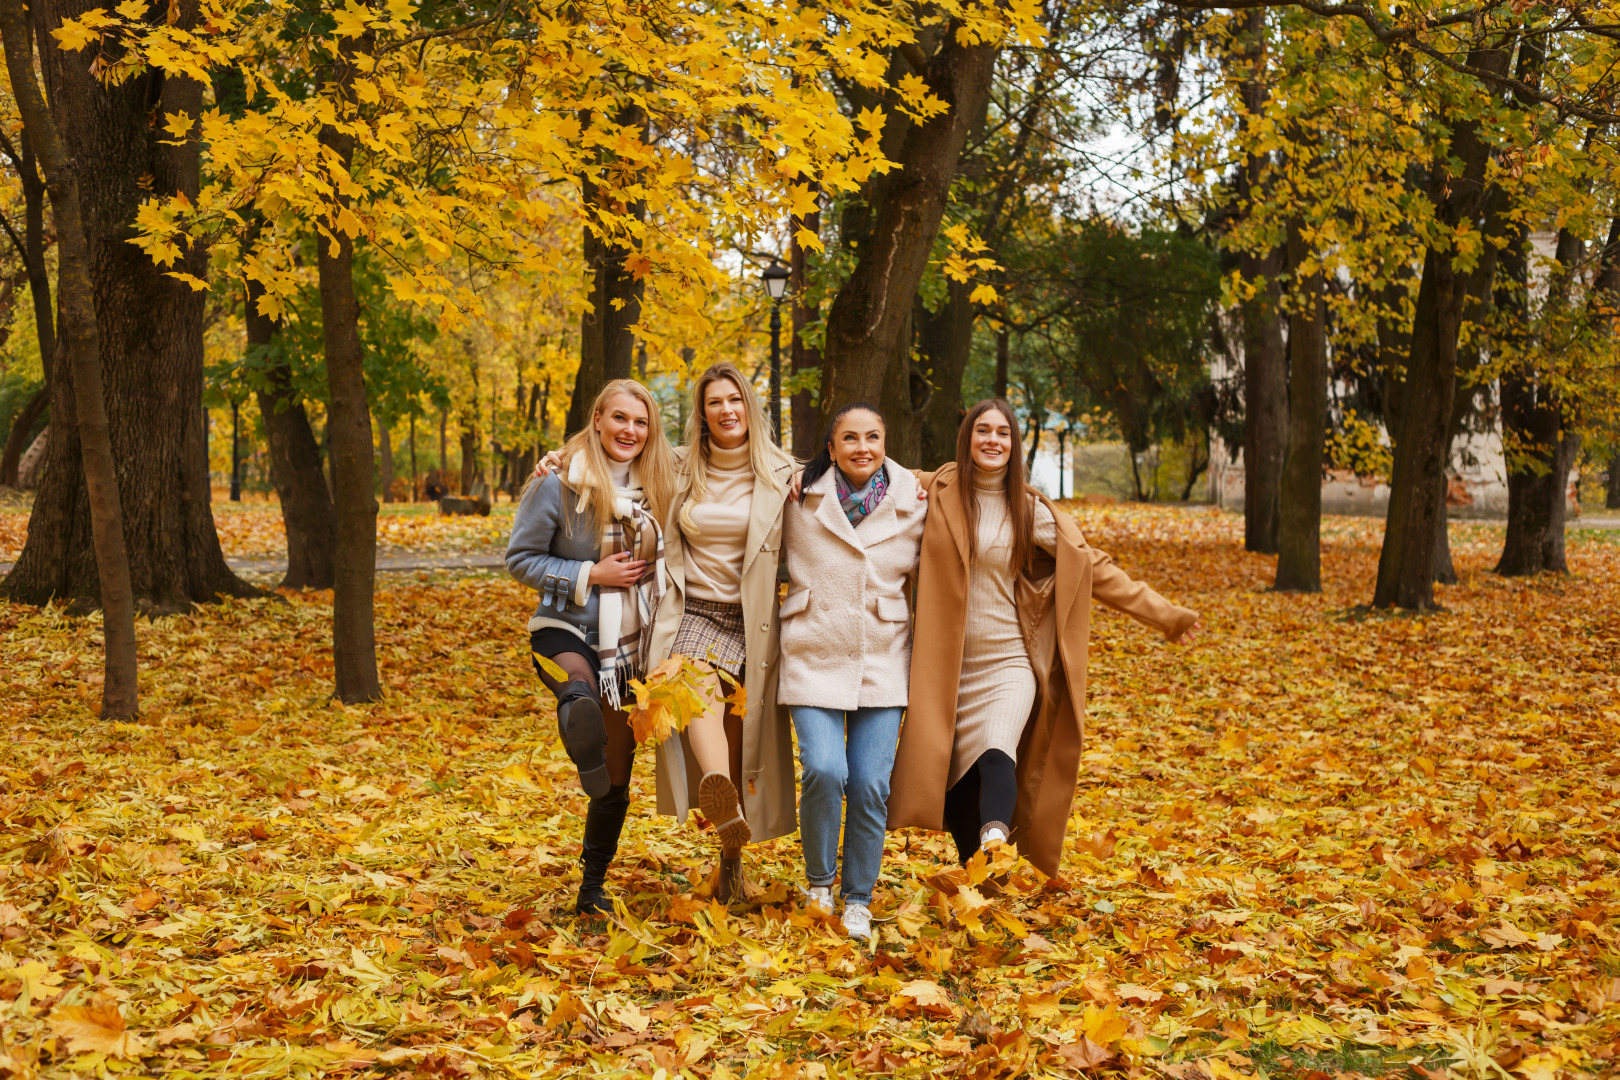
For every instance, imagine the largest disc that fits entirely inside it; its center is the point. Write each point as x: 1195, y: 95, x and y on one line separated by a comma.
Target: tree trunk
x: 1299, y: 533
x: 1003, y: 359
x: 39, y: 287
x: 1612, y: 489
x: 1265, y: 406
x: 150, y: 331
x: 606, y: 331
x: 83, y: 377
x: 295, y: 468
x: 469, y: 460
x: 802, y: 357
x: 870, y: 319
x: 1265, y: 360
x: 348, y: 425
x: 945, y: 345
x: 1406, y: 563
x: 22, y: 433
x: 385, y: 460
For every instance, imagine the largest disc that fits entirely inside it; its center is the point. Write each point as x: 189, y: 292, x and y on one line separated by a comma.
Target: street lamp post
x: 775, y: 277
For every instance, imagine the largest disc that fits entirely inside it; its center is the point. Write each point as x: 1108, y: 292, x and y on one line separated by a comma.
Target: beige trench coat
x: 1054, y: 613
x: 768, y: 793
x: 846, y: 625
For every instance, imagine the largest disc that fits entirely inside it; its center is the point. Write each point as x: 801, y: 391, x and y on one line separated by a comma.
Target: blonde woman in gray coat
x: 852, y: 540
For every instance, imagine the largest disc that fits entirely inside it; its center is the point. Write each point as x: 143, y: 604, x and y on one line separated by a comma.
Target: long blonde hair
x: 763, y: 454
x: 655, y: 465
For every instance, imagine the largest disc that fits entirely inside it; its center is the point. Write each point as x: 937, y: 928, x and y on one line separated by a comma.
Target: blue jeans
x: 836, y: 770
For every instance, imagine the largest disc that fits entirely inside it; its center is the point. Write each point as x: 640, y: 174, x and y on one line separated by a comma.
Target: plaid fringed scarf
x: 622, y: 613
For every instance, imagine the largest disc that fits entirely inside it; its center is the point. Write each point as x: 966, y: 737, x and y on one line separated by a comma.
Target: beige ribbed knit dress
x: 997, y: 688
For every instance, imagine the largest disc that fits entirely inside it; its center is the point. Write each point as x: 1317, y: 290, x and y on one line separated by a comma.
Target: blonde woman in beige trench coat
x: 720, y: 608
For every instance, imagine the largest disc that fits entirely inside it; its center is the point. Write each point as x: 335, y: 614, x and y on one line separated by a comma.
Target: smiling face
x: 857, y: 445
x: 622, y: 425
x: 724, y: 412
x: 992, y: 446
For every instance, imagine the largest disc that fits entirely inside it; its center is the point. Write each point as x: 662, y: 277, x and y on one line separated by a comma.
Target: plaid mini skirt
x: 714, y: 633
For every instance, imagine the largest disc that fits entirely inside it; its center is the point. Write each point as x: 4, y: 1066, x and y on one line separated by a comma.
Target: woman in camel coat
x: 1053, y: 602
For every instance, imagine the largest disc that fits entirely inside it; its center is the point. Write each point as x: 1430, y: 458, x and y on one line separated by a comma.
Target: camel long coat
x: 767, y: 756
x: 1055, y: 616
x: 846, y: 626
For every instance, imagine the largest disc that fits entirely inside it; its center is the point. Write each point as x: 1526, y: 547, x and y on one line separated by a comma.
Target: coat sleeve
x: 528, y: 552
x: 1116, y: 588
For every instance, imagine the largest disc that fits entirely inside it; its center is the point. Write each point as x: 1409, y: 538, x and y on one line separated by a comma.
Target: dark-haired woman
x: 991, y: 744
x: 852, y: 540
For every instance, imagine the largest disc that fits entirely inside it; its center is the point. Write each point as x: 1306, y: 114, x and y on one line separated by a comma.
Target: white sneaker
x: 992, y: 836
x: 858, y: 921
x: 820, y: 900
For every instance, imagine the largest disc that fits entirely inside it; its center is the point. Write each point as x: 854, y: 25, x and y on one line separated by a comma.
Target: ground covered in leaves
x: 1321, y: 843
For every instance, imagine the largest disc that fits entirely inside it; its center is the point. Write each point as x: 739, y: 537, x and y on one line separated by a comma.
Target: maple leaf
x: 1504, y: 936
x: 96, y: 1028
x: 1084, y: 1055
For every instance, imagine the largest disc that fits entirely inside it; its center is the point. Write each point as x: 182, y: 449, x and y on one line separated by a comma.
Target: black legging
x: 987, y: 792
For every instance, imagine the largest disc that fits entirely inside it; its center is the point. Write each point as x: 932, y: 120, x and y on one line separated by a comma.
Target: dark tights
x: 621, y: 745
x: 987, y: 792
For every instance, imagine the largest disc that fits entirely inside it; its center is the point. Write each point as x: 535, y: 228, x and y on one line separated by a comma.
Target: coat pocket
x: 795, y: 602
x: 893, y: 609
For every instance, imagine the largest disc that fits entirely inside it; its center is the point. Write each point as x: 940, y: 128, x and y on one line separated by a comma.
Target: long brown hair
x: 1020, y: 502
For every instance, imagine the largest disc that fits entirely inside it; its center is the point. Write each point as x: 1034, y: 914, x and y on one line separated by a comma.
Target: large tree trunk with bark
x: 607, y: 337
x: 151, y: 337
x: 1406, y: 563
x: 348, y: 429
x: 295, y: 468
x: 944, y: 345
x: 1532, y: 424
x: 1265, y: 357
x: 1299, y: 534
x: 1265, y: 406
x: 1535, y: 424
x: 870, y: 321
x: 81, y: 378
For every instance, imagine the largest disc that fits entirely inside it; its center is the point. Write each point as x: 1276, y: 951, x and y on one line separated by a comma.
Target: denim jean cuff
x: 853, y: 898
x: 814, y: 884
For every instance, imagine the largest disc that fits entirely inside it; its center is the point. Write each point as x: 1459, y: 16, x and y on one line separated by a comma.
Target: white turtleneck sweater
x: 714, y: 553
x: 997, y: 687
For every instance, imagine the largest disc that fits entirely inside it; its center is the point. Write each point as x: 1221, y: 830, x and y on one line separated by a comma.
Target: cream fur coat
x: 846, y: 626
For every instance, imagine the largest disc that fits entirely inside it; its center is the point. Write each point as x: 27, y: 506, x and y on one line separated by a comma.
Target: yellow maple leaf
x: 72, y: 36
x: 96, y: 1028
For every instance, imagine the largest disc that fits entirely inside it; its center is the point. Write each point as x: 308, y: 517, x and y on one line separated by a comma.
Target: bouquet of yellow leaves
x: 676, y: 691
x: 670, y: 696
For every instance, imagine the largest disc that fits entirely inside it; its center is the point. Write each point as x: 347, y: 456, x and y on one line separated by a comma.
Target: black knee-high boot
x: 604, y: 821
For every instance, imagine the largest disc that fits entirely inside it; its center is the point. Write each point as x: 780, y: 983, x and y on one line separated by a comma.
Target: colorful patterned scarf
x: 857, y: 504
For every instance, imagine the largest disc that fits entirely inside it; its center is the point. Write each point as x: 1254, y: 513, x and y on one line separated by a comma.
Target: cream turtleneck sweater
x: 714, y: 554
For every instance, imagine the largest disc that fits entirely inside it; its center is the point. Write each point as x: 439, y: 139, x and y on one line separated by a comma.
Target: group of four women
x: 640, y: 552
